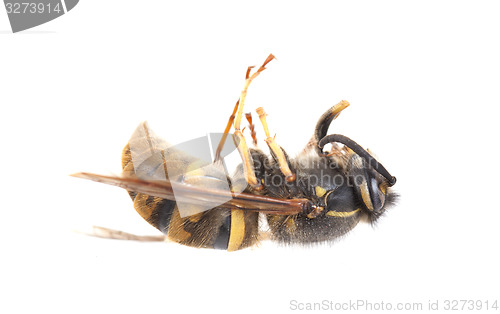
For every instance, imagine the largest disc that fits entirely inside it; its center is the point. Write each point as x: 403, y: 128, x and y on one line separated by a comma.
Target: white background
x: 422, y: 78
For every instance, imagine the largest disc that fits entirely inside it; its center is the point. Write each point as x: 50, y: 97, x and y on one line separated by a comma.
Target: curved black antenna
x: 325, y: 120
x: 355, y: 147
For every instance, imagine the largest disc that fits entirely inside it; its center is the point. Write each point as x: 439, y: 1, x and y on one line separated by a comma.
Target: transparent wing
x: 148, y: 157
x: 195, y: 195
x: 187, y: 174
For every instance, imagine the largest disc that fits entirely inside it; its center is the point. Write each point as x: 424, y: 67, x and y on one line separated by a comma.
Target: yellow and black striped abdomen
x: 217, y: 228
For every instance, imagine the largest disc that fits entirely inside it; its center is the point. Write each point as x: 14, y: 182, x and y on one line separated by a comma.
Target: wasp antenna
x: 360, y: 151
x: 321, y: 129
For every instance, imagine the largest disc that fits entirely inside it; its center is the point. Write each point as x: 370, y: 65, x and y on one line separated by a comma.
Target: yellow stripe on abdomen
x: 237, y: 230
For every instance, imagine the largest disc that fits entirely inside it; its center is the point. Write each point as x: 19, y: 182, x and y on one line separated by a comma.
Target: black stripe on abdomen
x: 222, y: 239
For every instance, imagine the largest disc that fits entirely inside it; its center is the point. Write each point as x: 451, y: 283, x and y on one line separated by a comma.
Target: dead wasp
x: 315, y: 197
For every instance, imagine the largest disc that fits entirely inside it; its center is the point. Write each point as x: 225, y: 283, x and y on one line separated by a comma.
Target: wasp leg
x: 252, y: 128
x: 242, y: 144
x: 106, y: 233
x: 226, y: 131
x: 276, y: 149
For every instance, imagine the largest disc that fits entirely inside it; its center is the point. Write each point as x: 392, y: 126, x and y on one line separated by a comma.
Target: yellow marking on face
x: 237, y: 229
x: 365, y: 195
x: 319, y: 191
x: 342, y: 214
x: 383, y: 187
